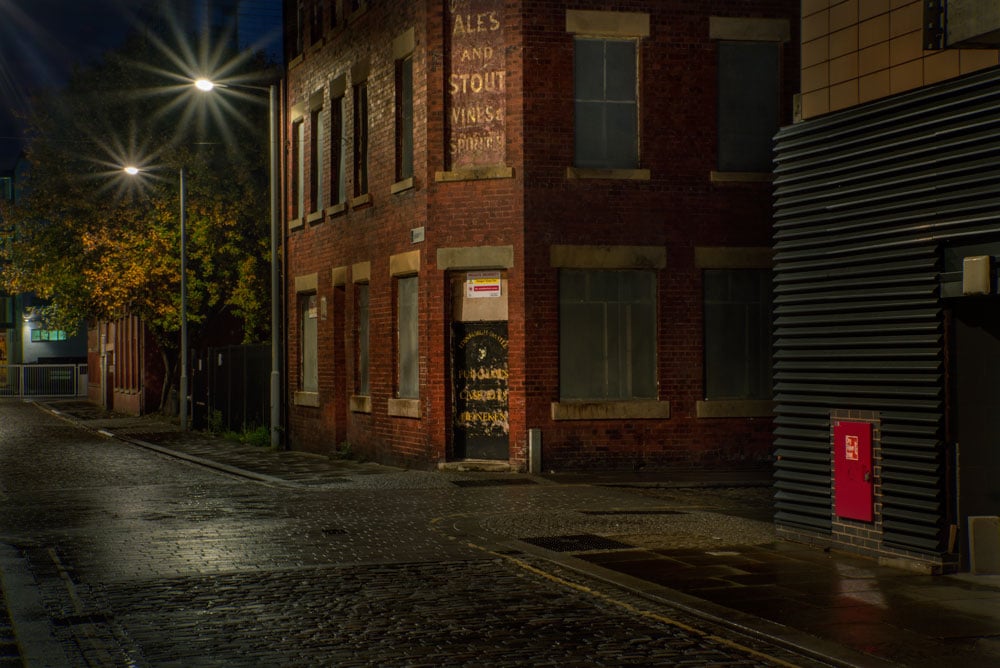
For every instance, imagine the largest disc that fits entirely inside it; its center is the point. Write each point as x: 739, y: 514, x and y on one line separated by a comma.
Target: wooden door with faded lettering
x: 481, y: 420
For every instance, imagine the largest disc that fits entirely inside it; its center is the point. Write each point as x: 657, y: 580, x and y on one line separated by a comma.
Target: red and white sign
x: 479, y: 284
x: 851, y: 448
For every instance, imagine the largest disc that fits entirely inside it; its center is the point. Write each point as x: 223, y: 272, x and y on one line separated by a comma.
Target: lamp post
x: 183, y: 384
x: 207, y: 85
x: 184, y: 316
x: 275, y: 270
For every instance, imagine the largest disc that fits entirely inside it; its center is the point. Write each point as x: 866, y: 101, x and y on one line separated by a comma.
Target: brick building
x: 520, y: 230
x: 886, y: 241
x: 125, y: 368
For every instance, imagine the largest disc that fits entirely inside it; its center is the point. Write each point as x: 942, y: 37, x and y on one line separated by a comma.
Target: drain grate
x: 334, y: 531
x: 577, y: 543
x: 631, y: 512
x: 493, y: 482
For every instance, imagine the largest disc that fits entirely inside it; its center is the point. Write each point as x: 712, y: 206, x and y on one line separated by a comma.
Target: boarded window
x: 360, y: 138
x: 404, y: 118
x: 316, y: 161
x: 338, y: 169
x: 362, y: 380
x: 298, y: 170
x: 316, y: 25
x: 300, y: 27
x: 748, y: 80
x: 309, y: 355
x: 607, y: 334
x: 407, y: 342
x: 737, y: 334
x: 606, y: 106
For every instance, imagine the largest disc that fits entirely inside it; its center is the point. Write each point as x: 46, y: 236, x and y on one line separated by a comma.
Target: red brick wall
x: 369, y: 233
x: 679, y: 209
x: 135, y: 384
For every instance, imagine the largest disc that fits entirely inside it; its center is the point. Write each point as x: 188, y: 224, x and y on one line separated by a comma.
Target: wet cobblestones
x: 144, y: 560
x: 482, y: 612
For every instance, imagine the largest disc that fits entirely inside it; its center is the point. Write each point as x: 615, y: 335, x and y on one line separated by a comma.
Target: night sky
x: 42, y: 40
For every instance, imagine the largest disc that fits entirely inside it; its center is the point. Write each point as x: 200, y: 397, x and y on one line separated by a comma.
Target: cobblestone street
x: 139, y: 559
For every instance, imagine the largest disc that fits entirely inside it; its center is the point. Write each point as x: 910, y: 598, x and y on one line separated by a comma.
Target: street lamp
x: 132, y: 170
x: 207, y: 85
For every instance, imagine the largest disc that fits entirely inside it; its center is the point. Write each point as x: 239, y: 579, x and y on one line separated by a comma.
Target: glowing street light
x: 208, y: 85
x: 132, y: 170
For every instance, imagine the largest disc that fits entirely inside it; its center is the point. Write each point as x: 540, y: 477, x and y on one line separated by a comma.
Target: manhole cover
x: 631, y: 512
x: 493, y: 482
x: 577, y: 543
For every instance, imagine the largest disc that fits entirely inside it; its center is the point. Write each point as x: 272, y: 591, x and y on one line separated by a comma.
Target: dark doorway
x: 977, y: 412
x: 479, y: 381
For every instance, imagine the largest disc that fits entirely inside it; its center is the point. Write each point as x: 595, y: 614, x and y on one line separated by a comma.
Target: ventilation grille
x: 864, y: 200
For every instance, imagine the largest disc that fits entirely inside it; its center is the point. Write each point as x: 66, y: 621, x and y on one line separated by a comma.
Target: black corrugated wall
x: 865, y: 199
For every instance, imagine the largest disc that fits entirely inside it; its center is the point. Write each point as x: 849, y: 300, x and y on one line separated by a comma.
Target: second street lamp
x: 131, y: 170
x: 208, y: 85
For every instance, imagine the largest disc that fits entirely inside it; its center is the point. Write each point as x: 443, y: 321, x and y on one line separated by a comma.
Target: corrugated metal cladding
x: 865, y: 199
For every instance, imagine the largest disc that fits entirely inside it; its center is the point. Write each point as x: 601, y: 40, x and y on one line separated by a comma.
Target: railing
x: 43, y: 380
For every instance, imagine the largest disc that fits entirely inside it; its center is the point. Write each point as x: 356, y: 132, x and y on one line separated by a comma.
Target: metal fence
x: 43, y: 380
x: 231, y: 390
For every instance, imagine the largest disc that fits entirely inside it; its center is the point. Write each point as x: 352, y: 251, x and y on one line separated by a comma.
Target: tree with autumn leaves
x: 97, y: 243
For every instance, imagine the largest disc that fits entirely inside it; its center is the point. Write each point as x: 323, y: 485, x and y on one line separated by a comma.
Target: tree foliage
x: 98, y: 243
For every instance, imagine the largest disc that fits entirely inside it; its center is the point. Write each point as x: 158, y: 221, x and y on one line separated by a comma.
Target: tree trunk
x: 168, y: 380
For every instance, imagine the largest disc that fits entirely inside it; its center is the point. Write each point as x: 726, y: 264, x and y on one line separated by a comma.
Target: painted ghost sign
x: 476, y: 84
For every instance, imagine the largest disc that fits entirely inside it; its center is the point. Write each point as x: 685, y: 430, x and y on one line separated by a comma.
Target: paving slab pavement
x: 716, y: 555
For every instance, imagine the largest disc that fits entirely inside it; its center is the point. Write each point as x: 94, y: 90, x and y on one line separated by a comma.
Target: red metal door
x: 852, y: 473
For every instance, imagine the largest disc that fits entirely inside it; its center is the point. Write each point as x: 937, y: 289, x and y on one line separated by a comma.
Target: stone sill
x: 408, y: 408
x: 611, y: 410
x: 306, y: 399
x: 401, y: 186
x: 475, y: 174
x: 360, y: 403
x: 336, y: 209
x: 613, y: 174
x: 361, y: 200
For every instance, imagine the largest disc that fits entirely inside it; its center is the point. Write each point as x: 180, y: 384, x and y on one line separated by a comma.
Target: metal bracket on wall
x: 934, y: 25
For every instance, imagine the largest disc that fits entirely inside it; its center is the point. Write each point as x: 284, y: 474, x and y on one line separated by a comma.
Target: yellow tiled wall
x: 855, y: 51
